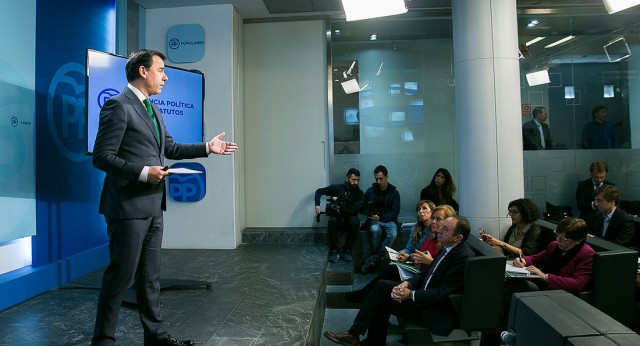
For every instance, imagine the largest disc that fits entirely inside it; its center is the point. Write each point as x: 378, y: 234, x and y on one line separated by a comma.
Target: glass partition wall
x: 393, y: 100
x: 402, y: 117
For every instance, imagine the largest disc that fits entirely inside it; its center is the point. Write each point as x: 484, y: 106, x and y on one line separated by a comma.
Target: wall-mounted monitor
x: 181, y: 100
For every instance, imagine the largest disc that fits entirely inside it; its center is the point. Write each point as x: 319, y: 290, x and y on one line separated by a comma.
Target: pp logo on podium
x: 190, y: 187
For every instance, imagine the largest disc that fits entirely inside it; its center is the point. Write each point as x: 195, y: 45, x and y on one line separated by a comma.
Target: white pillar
x: 488, y: 125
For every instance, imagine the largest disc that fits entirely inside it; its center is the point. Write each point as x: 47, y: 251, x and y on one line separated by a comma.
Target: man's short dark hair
x: 609, y: 193
x: 598, y: 166
x: 353, y: 171
x: 381, y: 169
x: 462, y: 227
x: 597, y: 109
x: 537, y: 111
x: 142, y: 57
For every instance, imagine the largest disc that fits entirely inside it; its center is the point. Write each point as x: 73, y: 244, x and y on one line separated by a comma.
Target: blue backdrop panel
x: 67, y: 185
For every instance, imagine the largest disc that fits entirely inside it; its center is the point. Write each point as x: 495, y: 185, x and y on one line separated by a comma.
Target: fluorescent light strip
x: 614, y: 6
x: 535, y: 40
x: 364, y: 9
x: 561, y: 41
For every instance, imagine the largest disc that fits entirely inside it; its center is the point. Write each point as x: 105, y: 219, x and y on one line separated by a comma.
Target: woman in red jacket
x: 566, y: 263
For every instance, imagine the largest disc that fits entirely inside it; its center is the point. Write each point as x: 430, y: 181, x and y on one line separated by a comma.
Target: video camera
x: 333, y: 208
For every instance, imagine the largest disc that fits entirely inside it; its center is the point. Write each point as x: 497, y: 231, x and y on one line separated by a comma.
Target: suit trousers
x: 376, y: 310
x: 134, y: 249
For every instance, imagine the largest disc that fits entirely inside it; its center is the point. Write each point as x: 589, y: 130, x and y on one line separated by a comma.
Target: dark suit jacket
x: 126, y: 142
x: 447, y: 279
x: 621, y: 228
x: 584, y: 197
x: 531, y: 136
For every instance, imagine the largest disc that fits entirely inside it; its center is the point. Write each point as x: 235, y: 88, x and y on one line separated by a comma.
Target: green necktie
x: 147, y: 103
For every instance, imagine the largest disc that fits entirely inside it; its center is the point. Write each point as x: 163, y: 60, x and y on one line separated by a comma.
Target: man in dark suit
x: 585, y: 189
x: 536, y: 134
x: 131, y: 145
x: 424, y: 298
x: 612, y: 223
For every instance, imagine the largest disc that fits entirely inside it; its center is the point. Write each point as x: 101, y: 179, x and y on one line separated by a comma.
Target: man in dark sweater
x: 382, y: 206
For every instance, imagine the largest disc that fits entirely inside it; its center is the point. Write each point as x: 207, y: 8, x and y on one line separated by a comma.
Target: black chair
x: 479, y: 307
x: 556, y: 213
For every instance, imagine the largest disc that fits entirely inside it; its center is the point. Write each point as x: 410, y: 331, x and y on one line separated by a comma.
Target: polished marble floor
x: 262, y: 294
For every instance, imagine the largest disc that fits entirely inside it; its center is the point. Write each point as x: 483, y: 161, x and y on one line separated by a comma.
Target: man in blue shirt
x: 598, y: 134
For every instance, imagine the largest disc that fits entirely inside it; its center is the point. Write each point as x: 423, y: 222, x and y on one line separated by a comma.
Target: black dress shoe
x: 168, y: 341
x: 342, y: 338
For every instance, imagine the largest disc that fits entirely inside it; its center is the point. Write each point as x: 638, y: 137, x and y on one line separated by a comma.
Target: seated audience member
x: 566, y: 262
x: 584, y: 191
x: 348, y: 197
x: 523, y: 237
x: 536, y: 134
x: 423, y: 299
x: 422, y: 255
x: 440, y: 190
x: 421, y: 230
x: 598, y: 133
x: 382, y: 206
x: 612, y: 223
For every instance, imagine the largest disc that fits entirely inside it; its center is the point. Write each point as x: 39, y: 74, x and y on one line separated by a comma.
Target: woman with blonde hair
x: 421, y: 257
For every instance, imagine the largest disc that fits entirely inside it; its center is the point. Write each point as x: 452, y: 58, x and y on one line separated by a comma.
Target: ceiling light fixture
x: 560, y: 41
x: 614, y: 6
x: 569, y: 92
x: 365, y: 9
x: 537, y: 78
x: 535, y: 40
x: 608, y: 91
x: 373, y: 37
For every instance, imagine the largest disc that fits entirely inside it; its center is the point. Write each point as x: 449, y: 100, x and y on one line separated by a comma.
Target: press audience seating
x: 560, y: 318
x: 479, y: 307
x: 614, y: 278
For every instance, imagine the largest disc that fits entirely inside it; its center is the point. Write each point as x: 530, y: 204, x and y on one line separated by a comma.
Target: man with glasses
x: 342, y: 209
x: 584, y: 191
x: 612, y: 223
x: 423, y: 298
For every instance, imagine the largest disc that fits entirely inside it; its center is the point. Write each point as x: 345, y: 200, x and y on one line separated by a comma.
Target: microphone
x: 508, y: 337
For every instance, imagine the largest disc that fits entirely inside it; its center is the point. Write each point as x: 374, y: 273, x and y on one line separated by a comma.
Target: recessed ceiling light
x: 533, y: 23
x: 373, y: 37
x: 560, y: 41
x: 535, y: 40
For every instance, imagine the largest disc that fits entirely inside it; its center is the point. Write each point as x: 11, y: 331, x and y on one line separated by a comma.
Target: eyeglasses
x: 560, y: 238
x: 512, y: 212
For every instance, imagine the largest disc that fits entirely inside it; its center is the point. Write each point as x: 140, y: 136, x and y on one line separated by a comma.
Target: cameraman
x: 342, y: 209
x: 382, y: 206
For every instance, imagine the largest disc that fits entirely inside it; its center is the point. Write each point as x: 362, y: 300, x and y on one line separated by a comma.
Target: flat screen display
x: 181, y: 99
